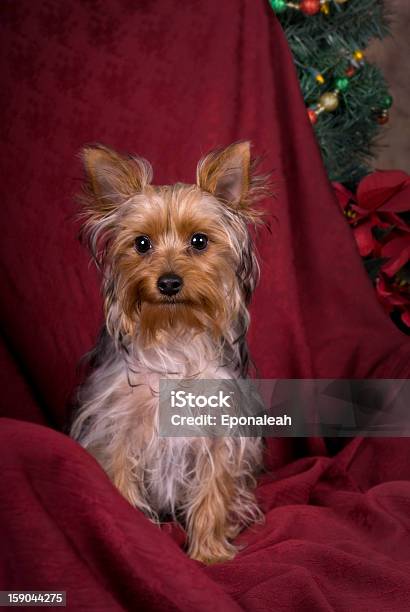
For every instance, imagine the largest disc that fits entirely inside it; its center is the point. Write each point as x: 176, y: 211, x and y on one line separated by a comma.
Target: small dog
x: 179, y: 270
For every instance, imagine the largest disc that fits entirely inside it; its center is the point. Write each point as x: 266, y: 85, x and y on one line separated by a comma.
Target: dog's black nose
x: 169, y: 284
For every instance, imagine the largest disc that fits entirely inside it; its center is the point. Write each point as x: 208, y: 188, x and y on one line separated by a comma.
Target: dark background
x: 392, y: 55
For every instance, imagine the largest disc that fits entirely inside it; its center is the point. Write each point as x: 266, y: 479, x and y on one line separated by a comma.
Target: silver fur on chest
x: 118, y: 423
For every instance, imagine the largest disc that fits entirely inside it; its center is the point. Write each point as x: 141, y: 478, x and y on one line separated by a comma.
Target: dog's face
x: 174, y: 257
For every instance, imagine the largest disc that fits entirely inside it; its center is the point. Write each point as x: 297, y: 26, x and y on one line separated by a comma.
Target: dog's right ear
x: 112, y: 178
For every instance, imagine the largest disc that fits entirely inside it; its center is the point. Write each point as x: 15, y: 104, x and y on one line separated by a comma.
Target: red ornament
x: 310, y: 7
x: 350, y: 71
x: 312, y: 115
x: 383, y: 118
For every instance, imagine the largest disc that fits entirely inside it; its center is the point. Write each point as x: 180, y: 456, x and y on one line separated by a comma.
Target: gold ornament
x: 320, y: 79
x: 329, y: 101
x: 325, y: 9
x: 358, y: 55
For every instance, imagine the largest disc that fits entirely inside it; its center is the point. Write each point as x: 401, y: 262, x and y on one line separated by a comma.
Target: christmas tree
x: 347, y: 99
x: 348, y: 102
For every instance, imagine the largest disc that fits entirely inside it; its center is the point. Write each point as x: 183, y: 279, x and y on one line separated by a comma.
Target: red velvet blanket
x: 336, y: 536
x: 170, y: 80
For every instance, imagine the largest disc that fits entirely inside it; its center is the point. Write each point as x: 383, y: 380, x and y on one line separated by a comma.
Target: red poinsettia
x: 394, y: 296
x: 381, y: 229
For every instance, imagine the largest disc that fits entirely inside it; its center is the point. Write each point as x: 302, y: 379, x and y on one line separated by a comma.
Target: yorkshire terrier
x: 179, y: 269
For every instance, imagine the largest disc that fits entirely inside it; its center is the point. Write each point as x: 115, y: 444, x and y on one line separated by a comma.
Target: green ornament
x: 278, y: 5
x: 342, y: 83
x: 386, y: 102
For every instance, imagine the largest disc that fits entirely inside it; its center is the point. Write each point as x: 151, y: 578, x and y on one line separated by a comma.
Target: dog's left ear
x: 228, y: 175
x: 112, y: 177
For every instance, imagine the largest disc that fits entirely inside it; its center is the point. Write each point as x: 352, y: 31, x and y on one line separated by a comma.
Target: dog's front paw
x: 210, y: 552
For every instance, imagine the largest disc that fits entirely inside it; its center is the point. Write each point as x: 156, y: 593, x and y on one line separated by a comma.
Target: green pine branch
x: 348, y: 135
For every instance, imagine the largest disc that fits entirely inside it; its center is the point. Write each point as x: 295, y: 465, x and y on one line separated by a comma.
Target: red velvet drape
x: 170, y: 80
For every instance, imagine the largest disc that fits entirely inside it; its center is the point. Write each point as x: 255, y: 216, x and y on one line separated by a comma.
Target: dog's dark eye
x: 199, y: 241
x: 142, y: 244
